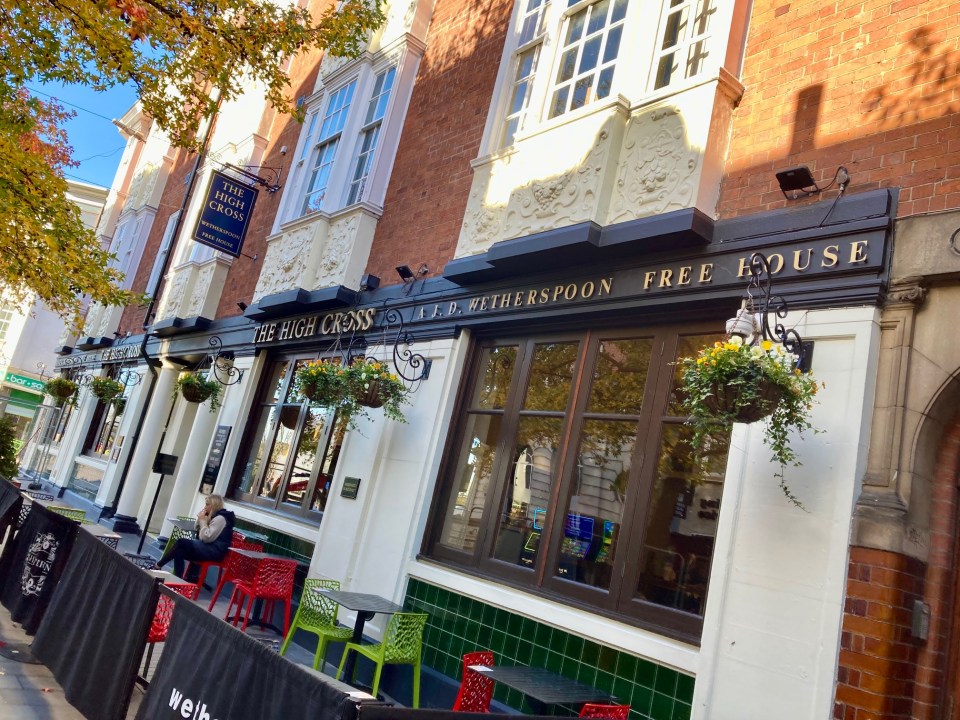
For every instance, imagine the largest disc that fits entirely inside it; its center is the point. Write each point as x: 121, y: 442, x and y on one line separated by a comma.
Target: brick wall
x: 869, y: 84
x: 279, y: 130
x: 428, y: 189
x: 884, y: 673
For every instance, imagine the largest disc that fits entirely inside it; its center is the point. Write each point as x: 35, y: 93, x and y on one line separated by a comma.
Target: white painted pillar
x: 141, y: 464
x: 187, y: 482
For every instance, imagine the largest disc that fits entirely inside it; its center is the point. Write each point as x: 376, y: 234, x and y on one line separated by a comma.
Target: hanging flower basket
x: 119, y: 405
x: 728, y: 401
x: 371, y: 396
x: 322, y: 382
x: 372, y: 385
x: 732, y: 382
x: 197, y: 388
x: 60, y: 388
x: 105, y: 389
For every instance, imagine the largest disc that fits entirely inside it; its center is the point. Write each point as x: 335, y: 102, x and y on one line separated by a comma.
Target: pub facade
x: 535, y: 276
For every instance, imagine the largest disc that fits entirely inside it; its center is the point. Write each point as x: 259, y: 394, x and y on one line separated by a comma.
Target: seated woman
x: 214, y: 533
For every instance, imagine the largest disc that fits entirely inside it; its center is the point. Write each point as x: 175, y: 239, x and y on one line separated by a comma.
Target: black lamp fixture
x: 371, y: 282
x: 408, y: 276
x: 242, y: 305
x: 799, y: 181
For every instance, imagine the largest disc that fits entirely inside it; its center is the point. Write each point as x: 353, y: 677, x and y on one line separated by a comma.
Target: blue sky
x: 96, y: 142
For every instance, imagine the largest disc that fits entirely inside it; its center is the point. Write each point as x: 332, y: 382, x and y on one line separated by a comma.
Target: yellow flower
x: 766, y: 344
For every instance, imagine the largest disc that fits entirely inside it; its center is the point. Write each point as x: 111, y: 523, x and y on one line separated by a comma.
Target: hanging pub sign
x: 225, y: 214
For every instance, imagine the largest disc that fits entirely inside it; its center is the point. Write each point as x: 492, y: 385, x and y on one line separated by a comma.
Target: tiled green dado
x: 459, y: 625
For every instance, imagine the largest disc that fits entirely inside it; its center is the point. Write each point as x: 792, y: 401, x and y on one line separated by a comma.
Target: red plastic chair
x: 476, y: 690
x: 235, y: 567
x: 239, y: 541
x: 163, y: 615
x: 164, y: 611
x: 605, y: 712
x: 272, y: 581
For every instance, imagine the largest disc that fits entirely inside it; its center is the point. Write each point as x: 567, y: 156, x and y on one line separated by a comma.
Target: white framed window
x: 165, y: 243
x: 350, y: 132
x: 562, y: 55
x: 588, y: 55
x: 370, y: 133
x: 325, y: 150
x: 683, y: 46
x: 532, y: 28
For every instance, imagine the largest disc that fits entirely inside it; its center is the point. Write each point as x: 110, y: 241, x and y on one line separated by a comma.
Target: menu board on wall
x: 215, y: 456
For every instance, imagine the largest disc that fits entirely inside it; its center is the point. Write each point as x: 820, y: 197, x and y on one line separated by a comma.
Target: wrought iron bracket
x: 762, y: 312
x: 221, y: 369
x: 271, y: 187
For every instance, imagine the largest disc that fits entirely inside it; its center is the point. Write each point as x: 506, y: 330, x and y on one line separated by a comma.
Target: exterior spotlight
x: 797, y: 180
x: 405, y: 273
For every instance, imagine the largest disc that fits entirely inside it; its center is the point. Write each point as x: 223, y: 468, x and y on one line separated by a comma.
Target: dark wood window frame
x: 621, y: 599
x: 292, y: 413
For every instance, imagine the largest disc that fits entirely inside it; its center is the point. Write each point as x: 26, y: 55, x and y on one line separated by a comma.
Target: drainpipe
x: 153, y: 363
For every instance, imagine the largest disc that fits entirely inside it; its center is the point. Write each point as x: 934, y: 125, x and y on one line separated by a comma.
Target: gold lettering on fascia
x: 549, y: 295
x: 809, y: 259
x: 305, y: 327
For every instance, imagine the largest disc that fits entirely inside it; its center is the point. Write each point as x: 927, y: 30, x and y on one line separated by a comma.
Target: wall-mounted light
x: 242, y: 305
x: 370, y: 282
x: 405, y: 273
x: 799, y: 181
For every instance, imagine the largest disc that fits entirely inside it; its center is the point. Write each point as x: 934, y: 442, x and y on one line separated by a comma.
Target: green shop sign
x: 25, y: 382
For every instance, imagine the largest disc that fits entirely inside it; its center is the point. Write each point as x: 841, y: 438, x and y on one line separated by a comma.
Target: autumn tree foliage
x: 182, y: 55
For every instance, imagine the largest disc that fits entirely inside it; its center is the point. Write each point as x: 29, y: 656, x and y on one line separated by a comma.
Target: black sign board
x: 215, y: 456
x: 350, y: 487
x: 225, y: 215
x: 165, y: 464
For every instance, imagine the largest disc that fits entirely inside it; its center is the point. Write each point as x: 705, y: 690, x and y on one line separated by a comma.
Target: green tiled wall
x: 459, y: 624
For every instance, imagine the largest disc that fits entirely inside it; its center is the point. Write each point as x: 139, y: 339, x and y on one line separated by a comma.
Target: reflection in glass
x: 595, y: 510
x: 276, y: 463
x: 682, y: 520
x: 551, y: 377
x: 331, y: 441
x: 464, y: 513
x: 619, y: 376
x: 304, y: 456
x: 495, y: 375
x: 251, y: 470
x: 527, y: 494
x: 687, y: 346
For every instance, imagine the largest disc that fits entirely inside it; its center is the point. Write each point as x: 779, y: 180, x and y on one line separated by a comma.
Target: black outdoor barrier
x: 386, y: 712
x: 211, y: 671
x: 10, y: 503
x: 95, y: 630
x: 32, y: 564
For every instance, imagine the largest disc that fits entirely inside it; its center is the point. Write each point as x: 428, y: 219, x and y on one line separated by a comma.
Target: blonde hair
x: 215, y: 502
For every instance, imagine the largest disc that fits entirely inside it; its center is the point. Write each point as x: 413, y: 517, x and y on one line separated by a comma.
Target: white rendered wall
x: 772, y: 625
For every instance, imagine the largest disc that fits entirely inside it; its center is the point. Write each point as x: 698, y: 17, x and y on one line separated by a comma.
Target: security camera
x: 283, y: 149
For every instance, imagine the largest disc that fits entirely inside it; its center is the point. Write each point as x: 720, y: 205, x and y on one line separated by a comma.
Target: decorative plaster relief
x: 481, y: 225
x: 284, y: 266
x: 175, y: 290
x: 657, y: 170
x: 331, y: 63
x: 336, y: 254
x: 564, y: 199
x: 201, y: 287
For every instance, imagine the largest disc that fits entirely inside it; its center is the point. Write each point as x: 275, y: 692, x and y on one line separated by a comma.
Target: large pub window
x: 293, y: 447
x: 570, y: 474
x: 105, y: 424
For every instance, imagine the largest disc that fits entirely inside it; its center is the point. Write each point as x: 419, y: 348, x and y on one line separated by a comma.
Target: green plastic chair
x: 175, y: 534
x: 402, y: 645
x: 317, y: 614
x: 76, y: 514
